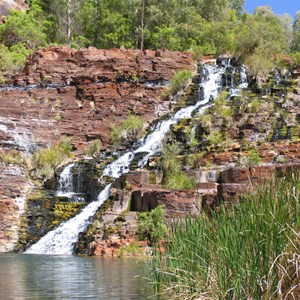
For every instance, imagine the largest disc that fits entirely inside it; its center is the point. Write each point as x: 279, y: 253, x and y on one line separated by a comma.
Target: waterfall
x: 23, y: 138
x: 61, y: 239
x: 70, y: 183
x: 65, y: 182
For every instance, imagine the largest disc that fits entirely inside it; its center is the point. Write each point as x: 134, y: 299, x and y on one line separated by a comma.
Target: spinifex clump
x: 246, y: 251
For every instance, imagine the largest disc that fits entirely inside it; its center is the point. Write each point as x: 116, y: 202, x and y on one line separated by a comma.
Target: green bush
x: 46, y: 160
x: 215, y: 138
x: 179, y: 82
x: 93, y: 148
x: 23, y: 27
x: 12, y: 59
x: 253, y: 158
x: 246, y: 251
x: 174, y: 177
x: 255, y: 105
x: 151, y: 225
x: 131, y: 129
x: 12, y: 157
x: 132, y: 249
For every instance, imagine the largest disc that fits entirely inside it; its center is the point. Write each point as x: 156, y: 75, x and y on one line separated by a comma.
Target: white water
x: 65, y: 182
x: 23, y: 139
x: 152, y: 143
x: 61, y: 240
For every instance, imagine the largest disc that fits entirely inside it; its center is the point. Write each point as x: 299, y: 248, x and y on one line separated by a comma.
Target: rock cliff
x: 81, y: 93
x: 76, y: 93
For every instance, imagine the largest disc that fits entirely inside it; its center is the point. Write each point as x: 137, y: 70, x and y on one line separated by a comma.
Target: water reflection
x: 69, y: 277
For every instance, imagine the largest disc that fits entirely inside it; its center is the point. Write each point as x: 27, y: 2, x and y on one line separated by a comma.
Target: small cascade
x: 66, y: 180
x: 22, y: 139
x: 70, y: 184
x: 61, y: 240
x: 235, y: 76
x: 277, y: 77
x: 244, y: 78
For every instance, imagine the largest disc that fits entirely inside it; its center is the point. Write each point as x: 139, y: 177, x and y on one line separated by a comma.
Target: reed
x: 246, y: 251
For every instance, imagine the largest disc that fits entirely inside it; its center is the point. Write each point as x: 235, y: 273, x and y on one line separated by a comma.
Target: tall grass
x: 174, y: 177
x: 247, y: 251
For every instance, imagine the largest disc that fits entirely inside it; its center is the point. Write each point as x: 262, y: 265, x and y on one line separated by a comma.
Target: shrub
x: 180, y: 81
x: 132, y: 249
x: 151, y: 225
x: 130, y: 129
x: 255, y: 105
x: 14, y: 158
x: 46, y: 160
x: 220, y: 105
x: 93, y: 148
x: 195, y: 160
x: 215, y: 138
x: 174, y: 177
x: 13, y: 59
x: 253, y: 158
x: 205, y: 119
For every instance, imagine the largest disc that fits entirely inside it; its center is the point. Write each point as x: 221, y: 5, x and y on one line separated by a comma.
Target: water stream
x: 61, y: 240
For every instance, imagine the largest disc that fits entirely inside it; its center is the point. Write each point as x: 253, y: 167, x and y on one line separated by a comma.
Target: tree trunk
x: 142, y: 25
x: 69, y: 24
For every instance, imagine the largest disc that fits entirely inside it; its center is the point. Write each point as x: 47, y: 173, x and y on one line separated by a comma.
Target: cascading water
x: 22, y: 138
x: 65, y: 182
x: 61, y: 240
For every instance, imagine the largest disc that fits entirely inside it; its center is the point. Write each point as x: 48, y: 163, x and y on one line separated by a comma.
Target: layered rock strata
x: 81, y: 93
x: 76, y: 93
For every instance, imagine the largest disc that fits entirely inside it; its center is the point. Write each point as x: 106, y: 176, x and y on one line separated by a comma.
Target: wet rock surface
x: 13, y: 189
x: 63, y: 92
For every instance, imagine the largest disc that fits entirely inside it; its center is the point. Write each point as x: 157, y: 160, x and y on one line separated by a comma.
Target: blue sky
x: 278, y: 6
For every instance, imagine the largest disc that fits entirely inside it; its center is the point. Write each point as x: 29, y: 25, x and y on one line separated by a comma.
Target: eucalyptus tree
x: 287, y: 24
x: 296, y: 32
x: 259, y: 38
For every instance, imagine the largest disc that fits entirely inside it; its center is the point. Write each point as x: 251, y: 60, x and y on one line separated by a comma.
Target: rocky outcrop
x: 13, y: 189
x: 81, y: 93
x: 76, y: 93
x: 234, y: 182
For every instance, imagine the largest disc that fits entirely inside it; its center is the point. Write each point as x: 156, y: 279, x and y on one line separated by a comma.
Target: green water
x: 70, y: 277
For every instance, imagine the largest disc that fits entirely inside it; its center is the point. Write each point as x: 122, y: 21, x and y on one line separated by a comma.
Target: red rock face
x: 13, y: 186
x: 80, y: 93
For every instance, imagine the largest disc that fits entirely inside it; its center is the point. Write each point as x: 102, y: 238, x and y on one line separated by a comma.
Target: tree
x: 296, y: 32
x: 287, y: 24
x: 64, y: 18
x: 259, y: 38
x: 27, y: 28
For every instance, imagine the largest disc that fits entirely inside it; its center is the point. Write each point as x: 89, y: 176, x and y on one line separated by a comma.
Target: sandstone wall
x: 81, y: 93
x: 78, y: 94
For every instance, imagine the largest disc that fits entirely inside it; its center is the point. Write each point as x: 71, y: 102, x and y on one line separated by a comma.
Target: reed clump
x: 249, y: 250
